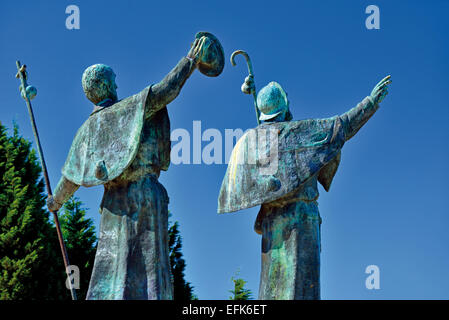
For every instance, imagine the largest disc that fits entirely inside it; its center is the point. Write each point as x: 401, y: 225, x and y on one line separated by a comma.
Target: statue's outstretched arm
x: 355, y: 118
x: 64, y: 190
x: 168, y: 89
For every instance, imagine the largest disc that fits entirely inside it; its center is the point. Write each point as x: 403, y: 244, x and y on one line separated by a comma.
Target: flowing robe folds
x: 124, y: 147
x: 277, y: 165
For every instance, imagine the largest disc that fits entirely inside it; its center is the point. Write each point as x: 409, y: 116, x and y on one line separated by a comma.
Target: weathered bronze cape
x: 305, y: 148
x: 98, y: 146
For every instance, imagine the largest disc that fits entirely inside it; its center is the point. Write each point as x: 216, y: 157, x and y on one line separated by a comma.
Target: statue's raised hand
x: 198, y: 49
x: 380, y: 90
x: 248, y: 86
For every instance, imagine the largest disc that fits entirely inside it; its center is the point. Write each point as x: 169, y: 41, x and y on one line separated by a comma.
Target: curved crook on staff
x: 248, y: 87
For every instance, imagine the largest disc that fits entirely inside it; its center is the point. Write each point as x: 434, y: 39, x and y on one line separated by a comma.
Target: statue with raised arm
x: 124, y: 145
x: 278, y: 166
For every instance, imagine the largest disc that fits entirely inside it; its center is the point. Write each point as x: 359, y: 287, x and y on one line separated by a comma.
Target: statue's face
x: 112, y: 92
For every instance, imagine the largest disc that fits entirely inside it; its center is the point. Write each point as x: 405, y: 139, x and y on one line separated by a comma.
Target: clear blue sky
x: 388, y: 204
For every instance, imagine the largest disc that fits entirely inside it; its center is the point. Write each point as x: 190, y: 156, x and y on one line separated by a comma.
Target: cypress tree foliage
x: 183, y: 290
x: 80, y: 239
x: 239, y: 292
x: 30, y: 263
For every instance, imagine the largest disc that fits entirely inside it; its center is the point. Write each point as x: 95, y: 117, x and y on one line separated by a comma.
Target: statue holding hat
x: 306, y: 152
x: 124, y: 145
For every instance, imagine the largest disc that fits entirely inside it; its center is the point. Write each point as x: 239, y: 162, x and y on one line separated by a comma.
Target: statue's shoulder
x: 133, y: 100
x: 110, y: 137
x: 264, y: 167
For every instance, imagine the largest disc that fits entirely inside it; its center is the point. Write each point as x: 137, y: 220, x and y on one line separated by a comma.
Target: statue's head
x: 99, y: 84
x: 273, y: 103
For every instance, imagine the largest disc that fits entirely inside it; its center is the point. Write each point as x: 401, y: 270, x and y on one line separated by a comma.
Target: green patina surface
x: 113, y: 147
x: 305, y: 152
x: 124, y: 145
x: 300, y: 150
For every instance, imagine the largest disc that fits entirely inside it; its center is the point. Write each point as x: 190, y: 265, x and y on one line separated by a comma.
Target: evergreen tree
x: 183, y: 290
x: 239, y: 292
x: 30, y: 263
x: 80, y: 239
